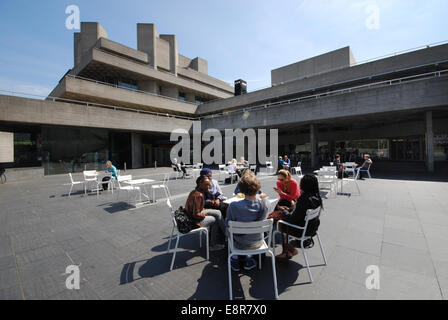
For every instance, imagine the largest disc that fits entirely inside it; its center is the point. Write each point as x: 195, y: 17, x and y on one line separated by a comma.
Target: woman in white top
x: 231, y: 168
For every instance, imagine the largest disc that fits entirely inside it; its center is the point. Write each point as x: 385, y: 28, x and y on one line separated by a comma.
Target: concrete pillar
x: 148, y: 86
x: 174, y: 54
x: 86, y: 39
x: 6, y: 147
x: 136, y: 151
x: 313, y: 142
x: 429, y: 142
x: 200, y: 65
x: 147, y: 41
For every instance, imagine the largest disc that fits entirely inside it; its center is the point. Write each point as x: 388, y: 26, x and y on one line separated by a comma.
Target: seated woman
x: 210, y: 218
x: 179, y: 167
x: 112, y: 169
x: 310, y: 199
x: 287, y: 188
x: 248, y: 210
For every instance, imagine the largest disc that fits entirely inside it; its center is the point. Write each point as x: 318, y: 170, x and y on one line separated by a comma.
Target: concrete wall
x: 147, y: 37
x: 117, y: 48
x: 173, y: 55
x: 200, y: 65
x: 403, y: 97
x: 32, y: 111
x: 404, y: 129
x: 341, y: 58
x: 86, y: 39
x: 163, y: 54
x: 6, y: 147
x: 407, y: 60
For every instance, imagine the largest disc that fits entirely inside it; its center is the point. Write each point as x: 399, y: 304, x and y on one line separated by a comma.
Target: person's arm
x: 293, y: 186
x: 198, y: 206
x: 297, y: 217
x: 220, y: 194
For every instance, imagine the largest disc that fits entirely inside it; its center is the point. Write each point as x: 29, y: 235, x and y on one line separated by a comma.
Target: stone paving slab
x: 401, y: 226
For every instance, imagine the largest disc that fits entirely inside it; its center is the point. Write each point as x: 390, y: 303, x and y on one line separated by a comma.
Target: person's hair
x: 280, y: 158
x: 287, y: 176
x: 108, y: 162
x: 234, y: 161
x: 247, y: 171
x: 200, y: 180
x: 366, y: 155
x: 310, y: 185
x: 249, y: 184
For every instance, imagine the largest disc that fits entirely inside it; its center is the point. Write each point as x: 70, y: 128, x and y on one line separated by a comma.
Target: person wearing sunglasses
x: 287, y: 188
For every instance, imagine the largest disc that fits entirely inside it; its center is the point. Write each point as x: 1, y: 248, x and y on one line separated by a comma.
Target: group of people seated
x: 359, y: 169
x: 284, y: 163
x: 180, y: 167
x: 206, y: 207
x: 238, y: 167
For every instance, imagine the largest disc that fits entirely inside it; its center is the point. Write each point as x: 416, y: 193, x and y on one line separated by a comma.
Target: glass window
x: 441, y: 147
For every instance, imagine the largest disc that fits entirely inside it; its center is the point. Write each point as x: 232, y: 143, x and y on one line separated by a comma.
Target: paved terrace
x: 399, y: 225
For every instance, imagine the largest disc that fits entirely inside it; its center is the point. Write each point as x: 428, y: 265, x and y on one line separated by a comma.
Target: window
x: 182, y: 96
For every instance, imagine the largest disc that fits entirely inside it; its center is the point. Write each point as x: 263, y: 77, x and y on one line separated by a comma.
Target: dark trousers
x: 105, y: 185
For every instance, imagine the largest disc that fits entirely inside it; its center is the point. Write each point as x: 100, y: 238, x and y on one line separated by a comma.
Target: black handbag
x: 183, y: 220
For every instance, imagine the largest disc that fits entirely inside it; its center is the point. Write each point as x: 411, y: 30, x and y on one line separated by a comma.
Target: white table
x: 142, y: 184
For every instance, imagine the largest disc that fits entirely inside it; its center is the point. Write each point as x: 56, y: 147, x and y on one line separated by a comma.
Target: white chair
x: 163, y: 186
x: 297, y: 169
x: 257, y: 227
x: 232, y: 174
x: 176, y: 172
x: 310, y: 215
x: 368, y: 171
x: 179, y: 235
x: 349, y: 167
x: 110, y: 183
x: 223, y: 173
x: 198, y: 166
x: 269, y: 167
x: 327, y: 179
x: 91, y: 178
x: 128, y: 188
x: 74, y: 183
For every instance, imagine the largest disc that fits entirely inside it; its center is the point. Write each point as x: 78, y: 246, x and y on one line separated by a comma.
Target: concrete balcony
x: 32, y: 111
x: 99, y: 62
x: 87, y: 90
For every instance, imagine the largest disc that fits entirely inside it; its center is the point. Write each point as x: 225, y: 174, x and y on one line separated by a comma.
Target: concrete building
x: 121, y: 103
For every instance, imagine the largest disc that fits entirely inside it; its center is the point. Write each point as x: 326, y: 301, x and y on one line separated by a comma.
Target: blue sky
x: 240, y: 39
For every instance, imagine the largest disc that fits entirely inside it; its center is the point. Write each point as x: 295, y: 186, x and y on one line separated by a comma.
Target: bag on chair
x: 184, y: 222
